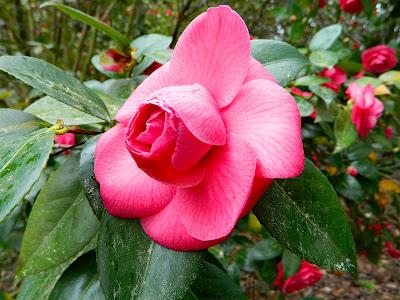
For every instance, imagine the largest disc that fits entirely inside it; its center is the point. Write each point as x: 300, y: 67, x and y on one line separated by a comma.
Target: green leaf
x: 310, y: 80
x: 350, y: 66
x: 128, y: 258
x: 344, y: 131
x: 348, y: 187
x: 61, y: 224
x: 213, y: 283
x: 161, y: 56
x: 291, y: 264
x: 282, y: 60
x: 363, y: 81
x: 324, y: 59
x: 263, y: 250
x: 149, y: 43
x: 305, y: 216
x: 79, y: 281
x: 326, y: 37
x: 391, y: 77
x: 25, y: 146
x: 91, y: 21
x: 324, y: 93
x: 306, y: 107
x: 51, y: 110
x: 88, y: 181
x: 55, y: 83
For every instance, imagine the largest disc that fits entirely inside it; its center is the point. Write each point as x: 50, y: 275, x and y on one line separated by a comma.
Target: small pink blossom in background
x: 306, y: 276
x: 169, y: 12
x: 379, y: 59
x: 298, y: 92
x: 315, y: 160
x: 352, y: 171
x: 314, y: 114
x: 366, y: 110
x: 201, y: 139
x: 115, y: 61
x: 389, y: 132
x: 66, y: 140
x: 391, y: 250
x: 351, y: 6
x: 377, y: 228
x: 321, y: 3
x: 337, y: 77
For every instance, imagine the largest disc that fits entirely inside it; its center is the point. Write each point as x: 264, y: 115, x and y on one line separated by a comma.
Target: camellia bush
x: 196, y: 161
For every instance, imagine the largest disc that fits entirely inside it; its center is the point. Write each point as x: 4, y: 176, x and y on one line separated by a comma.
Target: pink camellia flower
x: 337, y: 77
x: 307, y: 275
x: 379, y: 59
x: 389, y: 132
x: 366, y: 110
x: 200, y: 139
x: 351, y: 6
x: 352, y: 171
x: 65, y: 140
x: 298, y: 92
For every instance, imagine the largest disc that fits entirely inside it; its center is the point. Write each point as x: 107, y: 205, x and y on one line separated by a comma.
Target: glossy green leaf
x: 291, y: 263
x: 128, y: 258
x: 324, y: 59
x: 51, y: 110
x: 363, y: 81
x: 306, y: 108
x: 348, y: 187
x: 282, y: 60
x: 149, y: 43
x: 350, y: 66
x: 79, y: 281
x: 160, y: 56
x: 326, y: 37
x: 263, y: 250
x: 324, y: 93
x: 143, y: 65
x: 91, y: 21
x: 213, y: 283
x: 88, y: 181
x: 54, y: 82
x: 61, y: 224
x: 305, y: 216
x: 344, y: 131
x: 25, y: 146
x: 310, y: 80
x: 391, y: 77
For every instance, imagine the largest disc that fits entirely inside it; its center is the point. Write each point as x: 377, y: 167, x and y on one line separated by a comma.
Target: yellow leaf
x: 390, y: 77
x: 373, y: 156
x: 254, y: 225
x: 382, y: 90
x: 331, y: 170
x: 387, y: 185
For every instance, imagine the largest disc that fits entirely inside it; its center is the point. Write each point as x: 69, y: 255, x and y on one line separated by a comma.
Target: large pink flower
x: 379, y: 59
x: 200, y: 139
x: 366, y: 110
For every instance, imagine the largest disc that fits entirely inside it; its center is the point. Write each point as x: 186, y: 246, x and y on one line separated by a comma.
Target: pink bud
x: 352, y: 171
x: 389, y: 132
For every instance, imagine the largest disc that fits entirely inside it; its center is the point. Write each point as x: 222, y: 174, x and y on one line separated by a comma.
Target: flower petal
x: 196, y: 108
x: 266, y: 116
x: 257, y: 71
x: 126, y: 191
x: 167, y: 230
x: 214, y: 51
x: 210, y: 210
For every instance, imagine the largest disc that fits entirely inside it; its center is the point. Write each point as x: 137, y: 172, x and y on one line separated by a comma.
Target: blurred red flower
x: 307, y: 275
x: 337, y: 77
x: 379, y: 59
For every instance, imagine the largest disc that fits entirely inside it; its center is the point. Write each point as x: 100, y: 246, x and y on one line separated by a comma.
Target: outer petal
x: 210, y: 210
x: 197, y: 109
x: 266, y: 115
x: 126, y: 191
x: 214, y: 51
x: 167, y: 230
x: 257, y: 71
